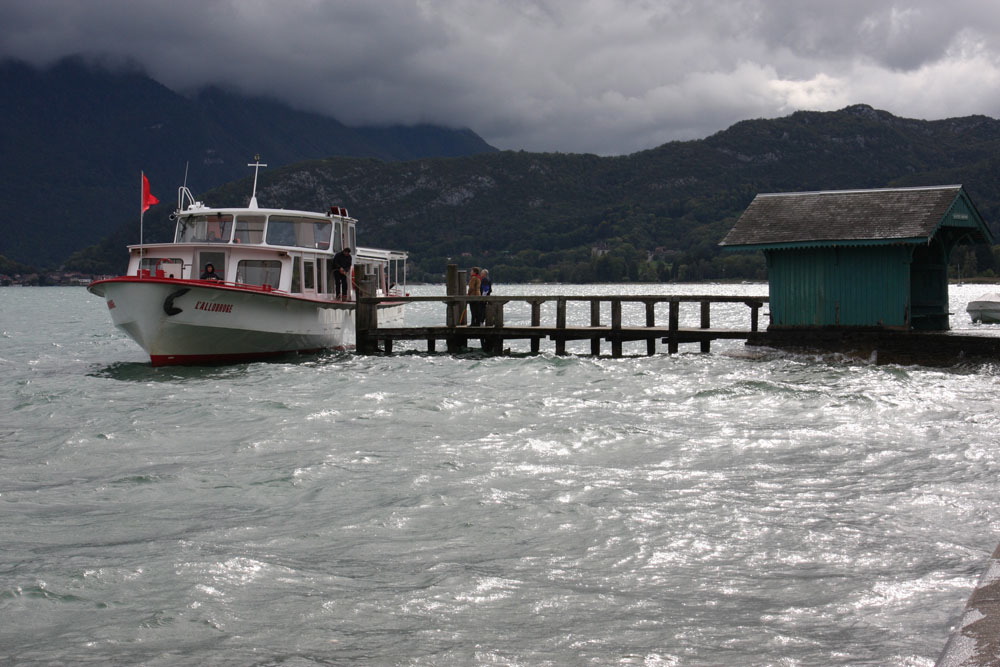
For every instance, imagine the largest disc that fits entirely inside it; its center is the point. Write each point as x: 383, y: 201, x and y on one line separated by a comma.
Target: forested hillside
x: 653, y: 215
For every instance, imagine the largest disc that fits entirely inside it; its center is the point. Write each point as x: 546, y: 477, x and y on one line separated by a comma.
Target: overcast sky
x: 599, y: 76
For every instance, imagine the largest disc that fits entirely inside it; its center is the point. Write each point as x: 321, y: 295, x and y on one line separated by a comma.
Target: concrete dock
x: 881, y: 346
x: 976, y: 640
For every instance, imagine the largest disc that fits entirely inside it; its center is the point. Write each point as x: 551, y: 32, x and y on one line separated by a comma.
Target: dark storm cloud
x: 604, y: 76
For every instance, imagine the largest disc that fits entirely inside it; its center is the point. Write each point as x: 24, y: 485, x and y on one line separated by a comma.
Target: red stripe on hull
x: 218, y: 359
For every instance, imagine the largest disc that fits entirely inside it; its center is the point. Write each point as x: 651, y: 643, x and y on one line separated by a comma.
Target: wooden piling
x: 456, y: 309
x: 560, y: 324
x: 595, y: 321
x: 536, y: 321
x: 365, y: 322
x: 650, y: 323
x: 705, y: 324
x: 675, y: 313
x: 616, y: 325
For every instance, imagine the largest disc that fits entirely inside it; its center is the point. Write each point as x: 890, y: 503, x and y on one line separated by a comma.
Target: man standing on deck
x: 341, y: 269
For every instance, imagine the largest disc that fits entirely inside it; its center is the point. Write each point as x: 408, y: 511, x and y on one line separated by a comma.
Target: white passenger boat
x: 985, y: 309
x: 276, y: 295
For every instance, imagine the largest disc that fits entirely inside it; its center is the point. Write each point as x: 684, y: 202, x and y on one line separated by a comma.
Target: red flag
x: 147, y: 199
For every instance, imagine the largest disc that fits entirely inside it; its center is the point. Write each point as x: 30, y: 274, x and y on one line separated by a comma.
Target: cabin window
x: 338, y: 236
x: 309, y: 275
x: 249, y: 229
x: 378, y: 271
x: 328, y: 272
x: 212, y: 228
x: 299, y: 232
x: 323, y: 279
x: 172, y: 267
x: 321, y: 231
x: 259, y: 272
x: 296, y: 276
x: 280, y: 232
x: 397, y: 274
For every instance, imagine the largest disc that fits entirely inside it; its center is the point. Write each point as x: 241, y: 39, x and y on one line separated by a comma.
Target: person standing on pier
x: 475, y: 286
x: 485, y: 288
x: 485, y: 284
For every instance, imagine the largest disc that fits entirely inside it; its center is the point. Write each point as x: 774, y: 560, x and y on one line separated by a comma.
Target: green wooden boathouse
x: 859, y: 258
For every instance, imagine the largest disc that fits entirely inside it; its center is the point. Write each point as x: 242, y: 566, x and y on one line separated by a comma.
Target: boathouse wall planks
x: 819, y: 286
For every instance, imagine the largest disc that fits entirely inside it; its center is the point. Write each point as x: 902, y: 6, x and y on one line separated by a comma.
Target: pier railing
x: 371, y: 337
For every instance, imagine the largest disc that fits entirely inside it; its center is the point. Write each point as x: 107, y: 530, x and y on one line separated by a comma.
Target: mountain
x: 653, y: 215
x: 74, y: 138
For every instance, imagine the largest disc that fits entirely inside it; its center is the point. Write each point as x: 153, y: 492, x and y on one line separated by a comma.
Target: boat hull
x: 180, y: 322
x: 985, y: 309
x: 987, y: 312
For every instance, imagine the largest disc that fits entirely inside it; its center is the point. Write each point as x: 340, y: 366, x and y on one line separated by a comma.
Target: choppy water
x: 721, y: 509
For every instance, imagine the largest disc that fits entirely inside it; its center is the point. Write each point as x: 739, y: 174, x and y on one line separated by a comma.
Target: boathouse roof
x: 855, y: 218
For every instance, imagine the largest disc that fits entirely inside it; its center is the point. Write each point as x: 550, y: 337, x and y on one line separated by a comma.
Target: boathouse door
x: 929, y: 287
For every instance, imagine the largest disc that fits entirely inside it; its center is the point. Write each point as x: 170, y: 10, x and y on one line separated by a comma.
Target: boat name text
x: 214, y: 307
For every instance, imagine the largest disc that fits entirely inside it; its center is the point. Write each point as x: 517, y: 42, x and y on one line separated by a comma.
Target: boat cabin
x: 268, y: 249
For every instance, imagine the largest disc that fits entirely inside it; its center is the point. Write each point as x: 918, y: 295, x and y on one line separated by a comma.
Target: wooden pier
x: 491, y: 336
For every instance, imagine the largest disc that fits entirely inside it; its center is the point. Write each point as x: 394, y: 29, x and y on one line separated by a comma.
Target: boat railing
x: 160, y: 273
x: 243, y: 286
x: 184, y: 194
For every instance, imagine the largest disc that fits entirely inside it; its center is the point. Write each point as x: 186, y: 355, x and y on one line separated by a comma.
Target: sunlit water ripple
x: 725, y: 509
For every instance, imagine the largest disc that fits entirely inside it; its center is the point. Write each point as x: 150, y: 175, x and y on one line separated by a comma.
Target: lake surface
x: 735, y: 508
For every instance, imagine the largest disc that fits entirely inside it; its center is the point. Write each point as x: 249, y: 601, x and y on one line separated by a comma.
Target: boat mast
x: 256, y: 165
